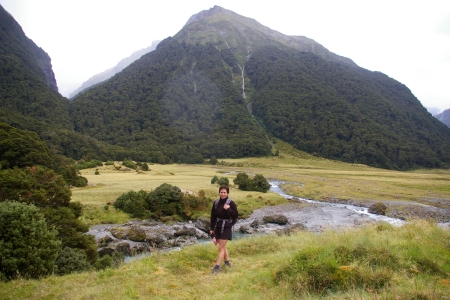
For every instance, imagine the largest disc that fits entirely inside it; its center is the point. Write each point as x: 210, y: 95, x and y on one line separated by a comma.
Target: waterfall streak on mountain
x: 243, y: 80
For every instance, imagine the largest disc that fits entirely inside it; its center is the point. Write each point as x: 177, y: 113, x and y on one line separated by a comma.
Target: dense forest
x: 343, y: 112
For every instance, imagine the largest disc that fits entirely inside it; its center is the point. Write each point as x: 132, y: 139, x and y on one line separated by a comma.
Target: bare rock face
x: 45, y: 63
x: 247, y: 229
x: 378, y: 208
x: 136, y: 234
x: 277, y: 219
x: 185, y: 230
x: 120, y: 232
x: 256, y: 223
x: 203, y: 223
x: 207, y: 13
x: 106, y: 251
x: 124, y: 248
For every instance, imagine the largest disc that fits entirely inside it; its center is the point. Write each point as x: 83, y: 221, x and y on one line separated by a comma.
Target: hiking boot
x: 227, y: 263
x: 215, y: 270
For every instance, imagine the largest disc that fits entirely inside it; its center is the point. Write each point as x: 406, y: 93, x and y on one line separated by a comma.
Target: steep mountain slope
x: 343, y: 112
x: 29, y: 98
x: 444, y: 117
x: 29, y: 95
x: 177, y: 102
x: 105, y: 75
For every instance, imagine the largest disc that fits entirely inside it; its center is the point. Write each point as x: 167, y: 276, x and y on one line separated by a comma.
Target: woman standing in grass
x: 223, y: 212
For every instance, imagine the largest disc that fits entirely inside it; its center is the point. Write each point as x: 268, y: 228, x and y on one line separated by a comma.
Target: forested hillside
x: 177, y: 103
x: 342, y: 112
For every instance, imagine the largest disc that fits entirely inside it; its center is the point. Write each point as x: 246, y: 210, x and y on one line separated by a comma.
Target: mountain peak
x: 206, y: 13
x: 242, y: 35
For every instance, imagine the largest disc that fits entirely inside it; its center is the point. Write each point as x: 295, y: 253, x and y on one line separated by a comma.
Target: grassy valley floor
x: 376, y: 261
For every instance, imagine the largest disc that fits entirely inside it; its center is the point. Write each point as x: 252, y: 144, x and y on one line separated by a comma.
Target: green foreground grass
x: 374, y: 262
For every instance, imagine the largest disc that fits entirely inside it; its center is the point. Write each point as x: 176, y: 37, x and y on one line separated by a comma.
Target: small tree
x: 165, y: 200
x: 260, y: 184
x: 223, y: 181
x: 213, y: 160
x: 214, y: 179
x: 27, y: 247
x: 242, y: 181
x: 133, y: 203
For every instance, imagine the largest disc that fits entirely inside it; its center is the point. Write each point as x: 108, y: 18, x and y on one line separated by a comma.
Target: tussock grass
x: 378, y: 261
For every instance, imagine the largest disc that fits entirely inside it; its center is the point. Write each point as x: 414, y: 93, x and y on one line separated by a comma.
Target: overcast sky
x: 407, y: 40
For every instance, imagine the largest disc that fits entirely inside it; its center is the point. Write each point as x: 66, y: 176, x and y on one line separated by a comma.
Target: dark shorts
x: 225, y: 235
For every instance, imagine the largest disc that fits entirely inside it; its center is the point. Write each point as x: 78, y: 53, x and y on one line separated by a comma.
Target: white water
x: 243, y: 80
x: 275, y: 187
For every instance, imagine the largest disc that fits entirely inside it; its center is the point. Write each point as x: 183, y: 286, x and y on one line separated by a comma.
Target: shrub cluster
x: 165, y: 201
x: 133, y: 203
x: 220, y: 181
x: 257, y: 183
x: 28, y: 248
x: 87, y: 164
x: 129, y: 164
x: 38, y: 220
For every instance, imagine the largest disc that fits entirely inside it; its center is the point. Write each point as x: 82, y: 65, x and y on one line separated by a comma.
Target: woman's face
x: 223, y: 193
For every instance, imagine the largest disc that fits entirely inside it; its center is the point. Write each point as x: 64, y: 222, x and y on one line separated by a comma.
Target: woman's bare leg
x: 223, y: 252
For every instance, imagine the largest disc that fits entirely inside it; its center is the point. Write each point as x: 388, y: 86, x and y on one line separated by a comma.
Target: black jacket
x: 221, y: 213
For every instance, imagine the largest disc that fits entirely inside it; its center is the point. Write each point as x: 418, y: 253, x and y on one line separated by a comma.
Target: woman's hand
x: 226, y: 206
x: 211, y: 232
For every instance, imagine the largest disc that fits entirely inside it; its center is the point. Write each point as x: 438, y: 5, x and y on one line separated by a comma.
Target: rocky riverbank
x: 146, y: 236
x: 435, y: 209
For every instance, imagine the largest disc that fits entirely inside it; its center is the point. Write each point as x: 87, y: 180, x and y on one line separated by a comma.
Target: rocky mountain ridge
x: 245, y: 35
x: 444, y: 117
